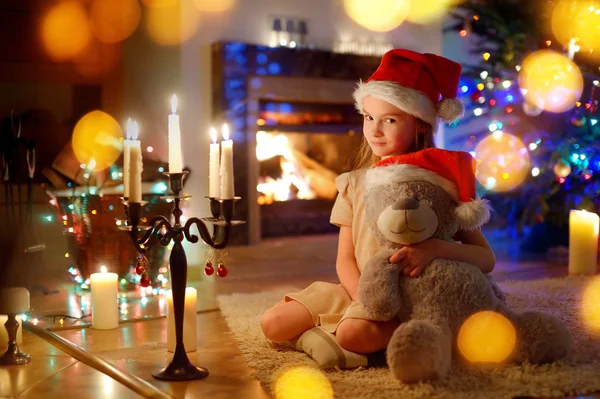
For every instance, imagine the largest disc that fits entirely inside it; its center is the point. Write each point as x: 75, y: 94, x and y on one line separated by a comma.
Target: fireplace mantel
x: 243, y: 74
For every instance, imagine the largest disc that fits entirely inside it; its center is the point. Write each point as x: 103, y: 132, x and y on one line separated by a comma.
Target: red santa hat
x: 423, y: 85
x: 453, y: 171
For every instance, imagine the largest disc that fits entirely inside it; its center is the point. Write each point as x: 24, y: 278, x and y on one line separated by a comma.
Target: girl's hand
x: 413, y: 259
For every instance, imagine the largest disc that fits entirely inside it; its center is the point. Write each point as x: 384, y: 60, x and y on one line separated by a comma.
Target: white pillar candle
x: 175, y: 157
x: 189, y: 321
x: 127, y: 143
x: 226, y: 165
x: 105, y: 309
x: 213, y: 166
x: 135, y: 165
x: 583, y: 242
x: 4, y: 333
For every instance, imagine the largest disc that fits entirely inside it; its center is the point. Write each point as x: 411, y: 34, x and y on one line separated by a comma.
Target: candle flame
x: 133, y: 129
x: 174, y: 104
x: 103, y: 269
x: 213, y: 135
x: 225, y: 131
x: 128, y: 128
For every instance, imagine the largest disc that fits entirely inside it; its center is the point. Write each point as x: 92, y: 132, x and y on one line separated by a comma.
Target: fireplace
x: 295, y: 128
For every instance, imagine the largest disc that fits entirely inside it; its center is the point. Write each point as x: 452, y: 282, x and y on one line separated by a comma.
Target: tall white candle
x: 105, y: 309
x: 175, y: 157
x: 127, y: 143
x: 135, y: 165
x: 583, y: 242
x: 189, y: 321
x: 226, y: 165
x: 213, y: 166
x: 4, y: 333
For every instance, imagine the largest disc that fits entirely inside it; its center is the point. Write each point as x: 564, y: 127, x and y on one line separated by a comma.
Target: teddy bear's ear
x: 473, y: 214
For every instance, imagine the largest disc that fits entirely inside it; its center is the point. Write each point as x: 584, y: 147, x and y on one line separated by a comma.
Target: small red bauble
x: 140, y: 269
x: 209, y: 269
x: 221, y: 271
x: 145, y: 281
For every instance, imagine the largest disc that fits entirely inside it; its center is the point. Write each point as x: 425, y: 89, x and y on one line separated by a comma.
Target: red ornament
x: 222, y: 271
x: 145, y: 281
x: 140, y: 269
x: 209, y: 269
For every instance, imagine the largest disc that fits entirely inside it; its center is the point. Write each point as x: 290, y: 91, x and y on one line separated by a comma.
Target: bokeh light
x: 590, y: 305
x: 98, y: 59
x: 303, y: 382
x: 65, y: 30
x: 550, y: 81
x: 97, y: 137
x: 577, y: 20
x: 172, y: 25
x: 487, y: 337
x: 115, y: 20
x: 502, y: 161
x: 159, y: 3
x: 423, y: 12
x: 378, y: 15
x: 214, y: 5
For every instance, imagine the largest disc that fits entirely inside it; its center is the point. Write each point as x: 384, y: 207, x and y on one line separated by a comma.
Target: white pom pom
x: 450, y: 109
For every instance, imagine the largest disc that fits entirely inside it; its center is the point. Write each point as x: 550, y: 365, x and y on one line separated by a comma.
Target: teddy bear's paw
x: 543, y: 338
x: 419, y: 351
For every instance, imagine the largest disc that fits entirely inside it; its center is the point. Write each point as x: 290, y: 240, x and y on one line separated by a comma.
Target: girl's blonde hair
x: 365, y: 157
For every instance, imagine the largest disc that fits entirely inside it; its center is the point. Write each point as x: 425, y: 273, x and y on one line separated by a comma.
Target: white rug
x: 579, y: 374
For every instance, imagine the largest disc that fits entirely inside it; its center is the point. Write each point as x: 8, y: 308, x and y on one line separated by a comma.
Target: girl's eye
x: 368, y: 117
x: 389, y: 120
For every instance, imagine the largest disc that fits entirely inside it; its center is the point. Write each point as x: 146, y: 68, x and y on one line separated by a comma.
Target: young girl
x: 401, y: 105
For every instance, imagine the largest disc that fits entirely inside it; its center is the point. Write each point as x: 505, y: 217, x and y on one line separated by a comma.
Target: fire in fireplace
x: 301, y: 148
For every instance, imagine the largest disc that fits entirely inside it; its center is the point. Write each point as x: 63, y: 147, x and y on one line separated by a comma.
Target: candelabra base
x: 178, y: 372
x: 13, y: 359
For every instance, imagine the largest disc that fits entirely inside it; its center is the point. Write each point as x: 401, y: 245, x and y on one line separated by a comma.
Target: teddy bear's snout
x: 405, y: 204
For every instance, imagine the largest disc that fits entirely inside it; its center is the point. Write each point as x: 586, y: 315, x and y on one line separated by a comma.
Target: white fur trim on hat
x: 473, y: 214
x: 408, y: 100
x: 470, y: 215
x: 450, y: 109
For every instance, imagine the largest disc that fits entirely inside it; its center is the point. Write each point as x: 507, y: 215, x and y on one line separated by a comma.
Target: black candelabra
x: 160, y: 230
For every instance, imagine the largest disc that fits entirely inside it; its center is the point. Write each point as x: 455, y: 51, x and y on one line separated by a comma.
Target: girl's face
x: 388, y: 130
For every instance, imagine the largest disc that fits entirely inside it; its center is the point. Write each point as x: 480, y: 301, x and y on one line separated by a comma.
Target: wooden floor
x: 139, y: 346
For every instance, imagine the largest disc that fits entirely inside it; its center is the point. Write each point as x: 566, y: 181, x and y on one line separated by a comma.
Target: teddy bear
x: 431, y: 194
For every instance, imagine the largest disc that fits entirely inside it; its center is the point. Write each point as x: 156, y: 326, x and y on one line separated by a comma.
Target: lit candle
x: 213, y: 166
x: 134, y: 192
x: 126, y: 148
x: 226, y: 165
x: 105, y: 309
x: 4, y: 333
x: 175, y: 158
x: 583, y: 242
x: 189, y: 321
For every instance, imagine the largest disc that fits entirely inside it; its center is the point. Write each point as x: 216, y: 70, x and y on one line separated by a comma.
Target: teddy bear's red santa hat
x: 453, y: 171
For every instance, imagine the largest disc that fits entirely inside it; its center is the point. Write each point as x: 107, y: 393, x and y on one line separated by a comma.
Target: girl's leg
x: 286, y: 321
x: 365, y: 336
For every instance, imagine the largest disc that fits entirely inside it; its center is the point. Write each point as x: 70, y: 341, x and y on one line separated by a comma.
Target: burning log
x: 320, y: 178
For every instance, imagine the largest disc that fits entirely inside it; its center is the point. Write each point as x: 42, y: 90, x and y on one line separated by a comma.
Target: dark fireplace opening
x: 301, y: 148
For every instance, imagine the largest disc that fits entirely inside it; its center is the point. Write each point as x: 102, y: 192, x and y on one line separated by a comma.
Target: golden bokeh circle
x: 502, y: 162
x: 424, y: 12
x: 65, y: 30
x: 214, y: 5
x: 97, y: 136
x: 115, y: 20
x: 577, y: 20
x: 378, y: 15
x: 174, y: 24
x: 487, y: 337
x: 303, y: 382
x: 550, y: 81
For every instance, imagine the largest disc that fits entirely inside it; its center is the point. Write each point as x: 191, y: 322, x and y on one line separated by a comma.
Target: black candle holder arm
x: 223, y: 232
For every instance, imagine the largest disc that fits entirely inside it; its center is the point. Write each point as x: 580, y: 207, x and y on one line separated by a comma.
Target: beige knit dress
x: 330, y: 303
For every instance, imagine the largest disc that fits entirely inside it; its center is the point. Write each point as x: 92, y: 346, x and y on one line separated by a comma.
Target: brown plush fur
x: 434, y: 305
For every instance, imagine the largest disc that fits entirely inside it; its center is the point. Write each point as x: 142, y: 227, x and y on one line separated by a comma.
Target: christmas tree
x: 534, y: 96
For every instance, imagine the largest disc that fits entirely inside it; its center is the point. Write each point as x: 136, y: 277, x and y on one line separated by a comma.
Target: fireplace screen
x: 301, y: 149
